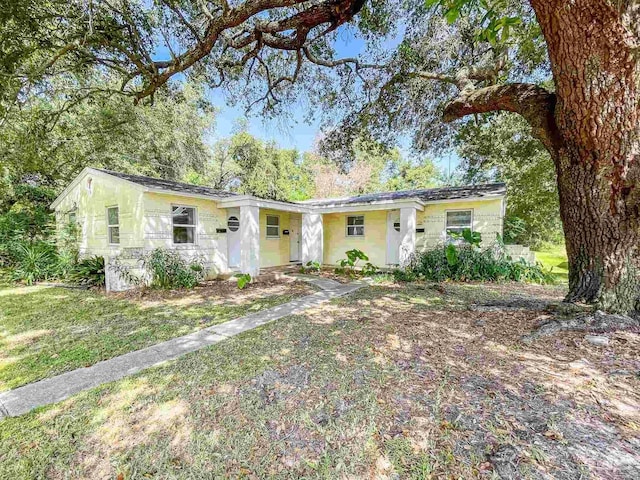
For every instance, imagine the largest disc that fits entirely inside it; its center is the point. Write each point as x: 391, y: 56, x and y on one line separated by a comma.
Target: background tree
x: 46, y: 139
x: 501, y: 148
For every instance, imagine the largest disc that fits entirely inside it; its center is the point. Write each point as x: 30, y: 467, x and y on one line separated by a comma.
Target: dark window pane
x: 356, y: 220
x: 114, y: 234
x: 183, y: 234
x: 273, y: 231
x: 184, y: 216
x: 273, y: 221
x: 355, y: 231
x: 112, y: 215
x: 455, y: 219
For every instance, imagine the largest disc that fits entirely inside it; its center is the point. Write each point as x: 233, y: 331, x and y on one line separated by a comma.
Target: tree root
x: 598, y: 322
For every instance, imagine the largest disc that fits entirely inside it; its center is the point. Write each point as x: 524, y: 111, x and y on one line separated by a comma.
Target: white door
x: 393, y: 237
x: 294, y: 239
x: 233, y: 237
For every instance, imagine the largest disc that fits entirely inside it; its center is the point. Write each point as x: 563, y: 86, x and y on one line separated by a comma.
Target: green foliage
x: 53, y: 139
x: 243, y: 280
x: 310, y: 266
x: 472, y: 238
x: 34, y: 262
x: 515, y: 228
x: 465, y: 263
x: 24, y: 218
x: 501, y: 148
x: 494, y: 27
x: 347, y: 266
x: 89, y: 272
x: 404, y: 275
x: 168, y: 269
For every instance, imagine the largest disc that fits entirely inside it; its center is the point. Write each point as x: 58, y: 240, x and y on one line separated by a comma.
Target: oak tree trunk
x: 594, y: 47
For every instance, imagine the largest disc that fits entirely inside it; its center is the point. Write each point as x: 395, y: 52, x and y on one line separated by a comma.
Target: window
x: 72, y: 217
x: 233, y: 224
x: 184, y: 224
x: 458, y: 220
x: 113, y: 225
x: 355, y: 226
x: 273, y: 226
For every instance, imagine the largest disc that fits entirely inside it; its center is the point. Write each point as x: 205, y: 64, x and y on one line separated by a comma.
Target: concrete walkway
x: 52, y: 390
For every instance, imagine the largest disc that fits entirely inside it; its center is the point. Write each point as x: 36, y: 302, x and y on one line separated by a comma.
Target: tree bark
x: 593, y: 49
x: 591, y: 127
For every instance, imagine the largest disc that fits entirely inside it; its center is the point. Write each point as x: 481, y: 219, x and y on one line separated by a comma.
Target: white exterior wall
x: 209, y: 245
x: 312, y: 238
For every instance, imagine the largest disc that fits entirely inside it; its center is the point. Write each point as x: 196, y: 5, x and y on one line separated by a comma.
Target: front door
x: 294, y: 239
x: 393, y: 237
x: 233, y: 237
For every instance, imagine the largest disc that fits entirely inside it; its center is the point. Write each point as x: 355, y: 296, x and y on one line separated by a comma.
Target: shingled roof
x: 427, y: 195
x: 169, y: 185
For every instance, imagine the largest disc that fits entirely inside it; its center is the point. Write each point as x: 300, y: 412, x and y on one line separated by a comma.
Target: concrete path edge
x: 55, y: 389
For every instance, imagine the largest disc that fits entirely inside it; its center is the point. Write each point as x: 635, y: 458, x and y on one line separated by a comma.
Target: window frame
x: 194, y: 226
x: 347, y: 226
x: 267, y: 225
x: 114, y: 225
x: 460, y: 228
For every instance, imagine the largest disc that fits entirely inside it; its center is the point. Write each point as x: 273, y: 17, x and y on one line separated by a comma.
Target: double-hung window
x: 355, y: 226
x: 184, y: 224
x: 458, y: 221
x: 273, y: 226
x: 113, y: 225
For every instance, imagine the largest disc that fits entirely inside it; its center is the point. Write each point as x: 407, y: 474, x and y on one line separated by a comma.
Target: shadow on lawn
x: 47, y: 331
x: 387, y: 381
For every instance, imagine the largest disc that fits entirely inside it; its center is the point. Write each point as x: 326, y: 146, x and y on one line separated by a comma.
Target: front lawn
x: 45, y: 331
x: 414, y: 381
x: 554, y: 258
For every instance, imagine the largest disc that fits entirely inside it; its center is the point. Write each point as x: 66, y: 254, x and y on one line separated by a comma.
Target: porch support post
x: 407, y: 233
x: 250, y: 240
x: 312, y: 238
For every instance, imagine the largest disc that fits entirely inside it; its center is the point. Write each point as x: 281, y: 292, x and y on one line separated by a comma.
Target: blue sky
x: 296, y: 132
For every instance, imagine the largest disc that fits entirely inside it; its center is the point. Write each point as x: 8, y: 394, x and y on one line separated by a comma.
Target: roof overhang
x: 250, y: 201
x: 368, y: 206
x: 493, y: 196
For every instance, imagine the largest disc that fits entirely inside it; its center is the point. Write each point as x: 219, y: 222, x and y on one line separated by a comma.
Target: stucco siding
x: 487, y: 218
x: 274, y: 251
x: 90, y: 202
x: 373, y: 243
x: 209, y: 245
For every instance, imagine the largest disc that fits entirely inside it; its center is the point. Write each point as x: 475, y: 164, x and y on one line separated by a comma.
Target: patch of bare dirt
x: 560, y: 408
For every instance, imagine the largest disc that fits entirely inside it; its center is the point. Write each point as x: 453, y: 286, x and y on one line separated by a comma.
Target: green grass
x: 45, y: 331
x: 389, y: 382
x: 554, y: 258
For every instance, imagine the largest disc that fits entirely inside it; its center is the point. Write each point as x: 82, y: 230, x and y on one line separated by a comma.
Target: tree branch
x: 534, y: 103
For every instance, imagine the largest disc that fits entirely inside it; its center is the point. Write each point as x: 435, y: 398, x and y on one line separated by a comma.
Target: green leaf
x: 452, y: 255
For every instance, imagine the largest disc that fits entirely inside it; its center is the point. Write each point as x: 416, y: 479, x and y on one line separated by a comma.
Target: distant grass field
x: 554, y: 258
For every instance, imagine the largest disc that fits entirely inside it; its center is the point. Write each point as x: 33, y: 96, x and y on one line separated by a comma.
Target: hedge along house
x: 124, y: 216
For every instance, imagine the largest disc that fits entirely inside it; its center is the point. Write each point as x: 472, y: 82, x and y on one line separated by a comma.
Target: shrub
x: 168, y: 269
x: 348, y: 265
x: 89, y: 272
x: 34, y: 262
x: 309, y: 267
x: 243, y: 280
x: 404, y: 275
x: 468, y: 263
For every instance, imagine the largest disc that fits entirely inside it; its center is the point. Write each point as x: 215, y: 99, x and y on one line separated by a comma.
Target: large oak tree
x: 269, y: 52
